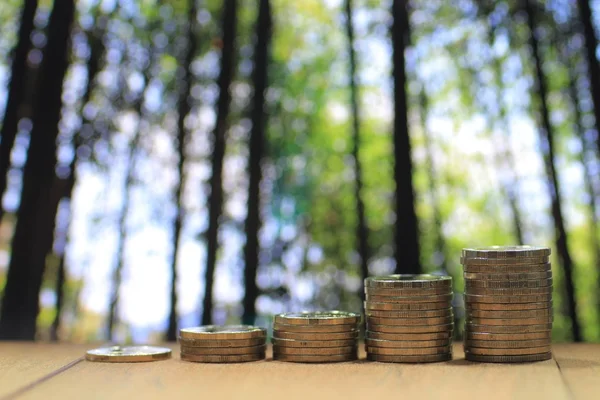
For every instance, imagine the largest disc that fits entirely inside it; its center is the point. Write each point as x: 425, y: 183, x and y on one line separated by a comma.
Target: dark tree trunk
x: 183, y: 108
x: 60, y: 283
x: 591, y: 43
x: 547, y: 149
x: 16, y: 90
x: 361, y: 225
x: 257, y: 139
x: 215, y: 200
x: 36, y: 216
x: 407, y: 231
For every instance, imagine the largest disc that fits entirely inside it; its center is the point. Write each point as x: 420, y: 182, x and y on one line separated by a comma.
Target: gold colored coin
x: 409, y: 359
x: 223, y: 358
x: 314, y: 351
x: 314, y: 328
x: 408, y: 336
x: 507, y: 344
x: 444, y: 312
x: 433, y: 291
x: 515, y: 276
x: 508, y: 299
x: 507, y: 352
x: 313, y: 343
x: 225, y: 332
x: 410, y: 329
x: 510, y: 321
x: 538, y: 283
x: 200, y: 351
x: 369, y: 305
x: 470, y: 335
x: 410, y: 321
x: 508, y: 329
x: 509, y: 292
x: 318, y: 318
x: 408, y: 281
x: 315, y: 335
x: 484, y: 267
x: 505, y: 252
x: 508, y: 306
x: 542, y: 312
x: 407, y: 344
x: 410, y: 299
x: 418, y: 351
x: 222, y: 343
x: 508, y: 359
x: 315, y: 359
x: 118, y: 354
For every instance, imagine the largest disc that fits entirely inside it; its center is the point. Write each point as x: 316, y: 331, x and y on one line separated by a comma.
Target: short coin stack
x: 316, y: 337
x: 409, y: 318
x: 223, y: 344
x: 508, y: 304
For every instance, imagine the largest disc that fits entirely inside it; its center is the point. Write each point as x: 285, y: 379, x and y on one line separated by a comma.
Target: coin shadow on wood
x: 460, y: 362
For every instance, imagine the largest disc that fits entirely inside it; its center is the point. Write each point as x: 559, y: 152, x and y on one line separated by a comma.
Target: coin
x: 391, y: 351
x: 506, y: 268
x: 313, y: 343
x: 538, y: 283
x: 315, y: 359
x: 508, y: 359
x: 409, y: 329
x: 223, y: 350
x: 507, y: 329
x: 508, y: 306
x: 314, y: 328
x: 223, y: 358
x: 507, y: 344
x: 444, y: 312
x: 547, y: 334
x: 128, y: 354
x: 369, y: 305
x: 407, y: 344
x: 432, y: 291
x: 408, y: 336
x: 411, y: 321
x: 408, y: 281
x: 510, y: 321
x: 534, y: 298
x: 318, y: 318
x: 314, y: 351
x: 505, y: 252
x: 542, y: 312
x: 410, y: 359
x: 222, y: 343
x: 225, y: 332
x: 508, y: 352
x: 509, y: 292
x: 410, y: 299
x: 315, y: 335
x: 515, y: 276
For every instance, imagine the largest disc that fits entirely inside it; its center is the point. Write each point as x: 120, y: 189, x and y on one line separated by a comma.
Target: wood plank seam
x: 564, y: 380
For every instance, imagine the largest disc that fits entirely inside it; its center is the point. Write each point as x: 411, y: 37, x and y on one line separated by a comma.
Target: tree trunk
x: 257, y: 139
x: 591, y: 43
x: 183, y: 107
x: 215, y: 201
x: 16, y: 90
x: 361, y: 226
x: 407, y: 231
x: 36, y: 216
x: 547, y: 149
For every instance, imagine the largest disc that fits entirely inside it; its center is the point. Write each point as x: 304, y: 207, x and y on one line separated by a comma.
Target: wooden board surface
x: 574, y: 373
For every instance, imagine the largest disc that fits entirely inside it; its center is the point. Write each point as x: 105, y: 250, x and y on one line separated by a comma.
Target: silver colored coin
x: 224, y: 332
x: 432, y: 291
x: 223, y: 351
x: 508, y: 276
x: 507, y: 284
x: 318, y: 318
x: 314, y: 328
x: 411, y: 321
x: 513, y: 267
x: 409, y: 359
x: 408, y: 336
x: 222, y: 343
x: 409, y: 329
x: 369, y: 305
x: 408, y: 281
x: 505, y: 252
x: 444, y: 312
x: 408, y: 344
x: 119, y: 354
x: 313, y: 343
x: 410, y: 299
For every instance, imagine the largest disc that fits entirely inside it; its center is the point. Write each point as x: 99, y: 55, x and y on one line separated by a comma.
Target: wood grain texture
x: 580, y: 367
x: 269, y: 379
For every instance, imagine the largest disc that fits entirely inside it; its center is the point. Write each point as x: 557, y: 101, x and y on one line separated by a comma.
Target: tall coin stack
x: 223, y: 344
x: 409, y: 318
x: 316, y: 337
x: 508, y: 304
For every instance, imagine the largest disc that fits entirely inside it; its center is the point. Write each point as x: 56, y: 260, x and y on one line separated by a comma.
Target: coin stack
x: 409, y: 318
x: 316, y: 337
x: 223, y: 344
x: 508, y: 304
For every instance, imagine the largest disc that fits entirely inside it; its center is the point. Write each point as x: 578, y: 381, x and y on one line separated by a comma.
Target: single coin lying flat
x: 128, y: 354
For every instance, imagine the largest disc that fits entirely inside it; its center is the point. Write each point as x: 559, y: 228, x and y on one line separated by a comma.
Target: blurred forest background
x: 170, y: 163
